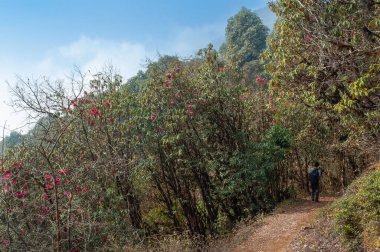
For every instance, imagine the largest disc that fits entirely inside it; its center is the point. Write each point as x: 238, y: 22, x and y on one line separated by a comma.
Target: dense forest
x: 192, y: 146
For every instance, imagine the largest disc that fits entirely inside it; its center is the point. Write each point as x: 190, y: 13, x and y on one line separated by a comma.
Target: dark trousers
x: 315, y: 191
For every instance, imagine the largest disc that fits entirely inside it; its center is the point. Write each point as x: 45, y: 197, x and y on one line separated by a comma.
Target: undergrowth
x: 357, y: 213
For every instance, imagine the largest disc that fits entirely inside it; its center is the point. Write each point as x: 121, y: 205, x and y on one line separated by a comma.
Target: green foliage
x: 11, y: 141
x: 357, y: 213
x: 245, y: 37
x: 306, y: 54
x: 193, y: 146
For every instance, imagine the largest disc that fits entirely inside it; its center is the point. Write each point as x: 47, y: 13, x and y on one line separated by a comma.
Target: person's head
x: 316, y: 164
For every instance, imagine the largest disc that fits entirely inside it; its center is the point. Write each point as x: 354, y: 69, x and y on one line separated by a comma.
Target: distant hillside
x: 12, y: 140
x: 267, y: 16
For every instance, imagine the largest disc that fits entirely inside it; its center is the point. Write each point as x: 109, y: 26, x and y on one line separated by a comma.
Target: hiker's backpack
x: 314, y: 176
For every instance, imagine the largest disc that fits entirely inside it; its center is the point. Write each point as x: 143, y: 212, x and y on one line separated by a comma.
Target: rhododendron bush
x: 105, y: 165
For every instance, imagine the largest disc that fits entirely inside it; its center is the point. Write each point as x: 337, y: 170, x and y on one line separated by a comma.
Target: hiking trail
x: 278, y: 230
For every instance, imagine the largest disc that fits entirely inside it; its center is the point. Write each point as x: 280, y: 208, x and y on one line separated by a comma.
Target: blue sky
x: 50, y: 37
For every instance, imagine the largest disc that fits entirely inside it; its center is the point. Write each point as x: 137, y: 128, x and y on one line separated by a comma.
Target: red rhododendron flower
x: 13, y: 182
x: 176, y: 95
x: 169, y: 75
x: 108, y: 104
x: 189, y: 106
x: 21, y: 195
x: 111, y: 119
x: 63, y: 172
x: 7, y: 175
x: 47, y: 177
x: 152, y: 117
x: 49, y: 186
x: 95, y: 112
x: 189, y: 112
x: 85, y: 188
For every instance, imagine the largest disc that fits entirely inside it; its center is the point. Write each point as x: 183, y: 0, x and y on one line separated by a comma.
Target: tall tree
x: 245, y: 37
x: 326, y: 53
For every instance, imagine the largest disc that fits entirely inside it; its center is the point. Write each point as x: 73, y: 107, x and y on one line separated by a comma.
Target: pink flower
x: 108, y: 104
x: 5, y: 242
x: 189, y: 112
x: 172, y: 102
x: 152, y: 117
x: 176, y: 95
x: 111, y: 119
x: 6, y: 188
x: 189, y: 106
x: 138, y: 138
x: 166, y: 83
x: 95, y: 112
x: 63, y: 172
x: 169, y: 75
x: 45, y: 196
x: 7, y: 175
x: 47, y: 177
x: 49, y: 186
x: 85, y: 188
x: 13, y: 181
x: 21, y: 195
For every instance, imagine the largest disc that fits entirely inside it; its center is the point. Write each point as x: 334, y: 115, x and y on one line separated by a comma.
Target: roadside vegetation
x: 186, y: 149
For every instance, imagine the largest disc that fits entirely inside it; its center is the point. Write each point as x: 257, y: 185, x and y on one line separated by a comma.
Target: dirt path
x: 279, y: 230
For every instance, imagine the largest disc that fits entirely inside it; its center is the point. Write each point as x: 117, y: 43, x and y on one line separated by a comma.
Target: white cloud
x: 190, y: 39
x: 93, y: 54
x: 86, y: 53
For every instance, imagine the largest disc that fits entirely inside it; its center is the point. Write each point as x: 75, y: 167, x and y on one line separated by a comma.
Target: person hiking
x: 315, y: 172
